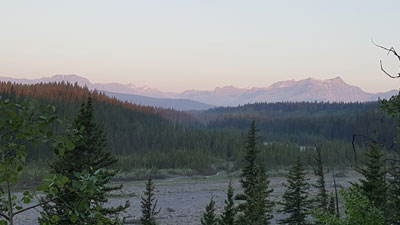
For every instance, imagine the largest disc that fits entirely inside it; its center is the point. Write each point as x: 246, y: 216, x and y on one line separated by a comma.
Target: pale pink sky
x: 177, y: 45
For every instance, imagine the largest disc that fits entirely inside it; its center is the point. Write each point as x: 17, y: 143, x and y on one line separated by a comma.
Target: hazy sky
x: 178, y: 45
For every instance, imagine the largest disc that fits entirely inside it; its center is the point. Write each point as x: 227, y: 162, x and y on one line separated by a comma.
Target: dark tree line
x: 373, y: 200
x: 145, y: 137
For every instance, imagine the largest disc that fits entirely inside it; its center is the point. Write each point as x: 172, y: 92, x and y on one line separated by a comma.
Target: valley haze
x: 306, y: 90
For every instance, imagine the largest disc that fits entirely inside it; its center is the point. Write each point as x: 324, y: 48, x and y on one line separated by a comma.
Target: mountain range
x: 308, y: 90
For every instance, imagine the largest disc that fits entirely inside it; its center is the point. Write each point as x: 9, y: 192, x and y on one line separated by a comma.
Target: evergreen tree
x: 374, y: 185
x: 149, y: 204
x: 228, y: 216
x: 392, y: 108
x: 209, y: 217
x: 394, y: 194
x: 295, y: 199
x: 90, y: 155
x: 322, y: 196
x: 257, y: 207
x: 249, y: 173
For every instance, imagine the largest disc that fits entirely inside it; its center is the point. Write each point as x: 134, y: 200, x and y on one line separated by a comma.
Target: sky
x: 175, y: 45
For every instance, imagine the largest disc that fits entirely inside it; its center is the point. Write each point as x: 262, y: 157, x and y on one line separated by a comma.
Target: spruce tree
x: 90, y: 154
x: 209, y: 217
x: 249, y: 170
x: 256, y: 208
x: 295, y: 199
x: 259, y: 207
x: 394, y: 194
x: 229, y: 213
x: 392, y: 108
x: 374, y: 185
x: 149, y: 204
x: 322, y: 196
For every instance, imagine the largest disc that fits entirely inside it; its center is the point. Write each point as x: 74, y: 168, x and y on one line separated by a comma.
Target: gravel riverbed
x: 182, y: 200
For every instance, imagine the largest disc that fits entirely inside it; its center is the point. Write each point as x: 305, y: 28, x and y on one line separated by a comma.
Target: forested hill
x: 290, y: 110
x: 75, y: 94
x: 149, y: 137
x: 130, y: 128
x: 305, y: 122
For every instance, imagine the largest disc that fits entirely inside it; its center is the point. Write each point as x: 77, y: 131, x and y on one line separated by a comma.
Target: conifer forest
x: 82, y: 146
x: 199, y: 112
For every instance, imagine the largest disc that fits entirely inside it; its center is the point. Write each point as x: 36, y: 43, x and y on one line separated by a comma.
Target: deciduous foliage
x: 296, y: 203
x: 149, y: 204
x: 90, y: 156
x: 331, y: 207
x: 83, y: 210
x: 358, y: 210
x: 21, y: 126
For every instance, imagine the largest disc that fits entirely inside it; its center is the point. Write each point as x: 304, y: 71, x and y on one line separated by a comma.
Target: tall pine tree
x: 295, y: 199
x: 374, y: 185
x: 209, y: 217
x: 257, y: 207
x: 149, y: 204
x: 229, y: 213
x: 90, y: 154
x: 392, y: 108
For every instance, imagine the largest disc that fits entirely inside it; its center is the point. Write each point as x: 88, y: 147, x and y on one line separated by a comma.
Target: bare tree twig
x: 28, y: 208
x: 34, y: 206
x: 389, y: 50
x: 4, y: 215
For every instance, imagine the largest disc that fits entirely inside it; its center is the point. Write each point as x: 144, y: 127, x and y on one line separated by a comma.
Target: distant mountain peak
x: 338, y: 79
x: 311, y: 80
x: 309, y: 89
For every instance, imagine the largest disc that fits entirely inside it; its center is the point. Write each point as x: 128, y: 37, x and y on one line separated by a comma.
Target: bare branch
x: 389, y: 50
x: 388, y: 74
x: 34, y: 206
x: 28, y: 208
x: 4, y: 216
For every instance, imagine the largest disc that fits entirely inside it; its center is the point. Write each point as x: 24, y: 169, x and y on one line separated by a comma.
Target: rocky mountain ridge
x: 308, y: 90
